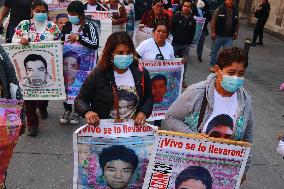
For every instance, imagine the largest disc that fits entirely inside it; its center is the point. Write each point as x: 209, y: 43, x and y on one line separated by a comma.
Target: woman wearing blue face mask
x: 118, y: 88
x: 37, y: 29
x: 81, y: 31
x: 221, y: 93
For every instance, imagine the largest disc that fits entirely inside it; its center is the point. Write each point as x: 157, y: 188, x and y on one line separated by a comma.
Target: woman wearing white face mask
x: 201, y: 107
x: 118, y: 88
x: 37, y: 29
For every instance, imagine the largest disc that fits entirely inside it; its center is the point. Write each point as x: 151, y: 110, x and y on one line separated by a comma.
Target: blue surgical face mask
x: 40, y: 17
x: 122, y: 61
x: 74, y: 19
x: 232, y: 83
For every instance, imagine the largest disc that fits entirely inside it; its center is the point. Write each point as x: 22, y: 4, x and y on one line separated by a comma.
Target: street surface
x: 46, y: 161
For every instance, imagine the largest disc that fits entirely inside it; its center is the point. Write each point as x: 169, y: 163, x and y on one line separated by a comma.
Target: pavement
x: 46, y: 161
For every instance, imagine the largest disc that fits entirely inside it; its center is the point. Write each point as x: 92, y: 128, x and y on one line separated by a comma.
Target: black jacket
x: 183, y: 29
x: 96, y: 93
x: 263, y: 13
x: 89, y: 38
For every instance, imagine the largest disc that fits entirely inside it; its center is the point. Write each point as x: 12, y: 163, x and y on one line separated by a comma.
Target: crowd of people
x: 119, y: 88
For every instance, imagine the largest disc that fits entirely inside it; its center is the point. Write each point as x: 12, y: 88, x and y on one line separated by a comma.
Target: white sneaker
x: 75, y: 119
x: 65, y: 118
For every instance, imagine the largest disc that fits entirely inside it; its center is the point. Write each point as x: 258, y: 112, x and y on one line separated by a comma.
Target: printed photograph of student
x: 118, y: 164
x: 194, y: 177
x: 220, y: 126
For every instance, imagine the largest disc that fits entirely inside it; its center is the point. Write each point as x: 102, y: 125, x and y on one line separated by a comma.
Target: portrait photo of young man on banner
x: 166, y: 79
x: 112, y: 155
x: 39, y: 69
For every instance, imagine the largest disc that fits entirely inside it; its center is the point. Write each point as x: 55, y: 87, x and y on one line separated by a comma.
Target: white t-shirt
x: 148, y: 50
x: 127, y: 94
x: 223, y: 105
x: 91, y: 7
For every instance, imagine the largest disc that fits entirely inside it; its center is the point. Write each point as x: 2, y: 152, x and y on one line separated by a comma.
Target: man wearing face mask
x: 221, y: 93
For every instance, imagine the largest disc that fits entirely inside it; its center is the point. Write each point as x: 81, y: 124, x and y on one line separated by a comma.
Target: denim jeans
x: 182, y: 51
x: 200, y: 44
x: 216, y: 45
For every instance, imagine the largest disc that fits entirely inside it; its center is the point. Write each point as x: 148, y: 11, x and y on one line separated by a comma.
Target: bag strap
x: 143, y: 79
x: 202, y: 110
x: 160, y: 51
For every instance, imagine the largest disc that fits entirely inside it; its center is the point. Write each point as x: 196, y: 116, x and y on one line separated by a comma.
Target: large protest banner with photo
x: 112, y: 155
x: 10, y: 126
x: 39, y: 69
x: 216, y: 163
x: 103, y: 22
x: 167, y: 77
x: 200, y: 21
x: 78, y: 61
x: 55, y: 9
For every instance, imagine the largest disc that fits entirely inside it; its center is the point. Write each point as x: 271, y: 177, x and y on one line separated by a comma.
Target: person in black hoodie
x: 118, y: 88
x: 262, y: 14
x: 86, y: 34
x: 183, y: 30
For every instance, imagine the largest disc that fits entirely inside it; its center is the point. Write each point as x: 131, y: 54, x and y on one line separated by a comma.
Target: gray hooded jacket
x: 183, y: 114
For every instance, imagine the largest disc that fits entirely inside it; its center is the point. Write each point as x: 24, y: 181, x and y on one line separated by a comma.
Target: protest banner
x: 167, y: 77
x: 10, y: 126
x: 200, y: 21
x: 143, y: 33
x: 103, y: 22
x: 56, y: 8
x: 112, y: 155
x: 39, y: 69
x: 216, y: 163
x: 78, y: 61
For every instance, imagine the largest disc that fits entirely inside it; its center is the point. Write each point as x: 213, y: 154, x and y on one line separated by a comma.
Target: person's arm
x: 213, y: 24
x: 4, y: 12
x: 18, y: 35
x: 57, y: 33
x: 91, y: 41
x: 148, y: 102
x: 193, y: 29
x: 123, y: 16
x: 82, y: 102
x: 182, y: 107
x: 248, y: 137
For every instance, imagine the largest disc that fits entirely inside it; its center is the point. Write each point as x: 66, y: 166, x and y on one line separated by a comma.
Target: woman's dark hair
x: 39, y: 3
x: 196, y: 173
x: 113, y: 40
x: 77, y: 7
x: 229, y: 55
x: 156, y: 1
x: 162, y: 24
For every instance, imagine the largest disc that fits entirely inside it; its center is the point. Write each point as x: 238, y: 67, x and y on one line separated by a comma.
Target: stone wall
x: 275, y: 23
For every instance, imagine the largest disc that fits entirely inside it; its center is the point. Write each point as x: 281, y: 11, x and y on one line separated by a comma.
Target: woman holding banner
x: 205, y: 107
x: 157, y: 48
x: 37, y: 29
x: 81, y: 31
x: 118, y: 88
x: 156, y: 15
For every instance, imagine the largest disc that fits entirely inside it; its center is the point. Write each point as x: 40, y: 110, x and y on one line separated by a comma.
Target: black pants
x: 258, y: 31
x: 67, y: 107
x: 10, y: 32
